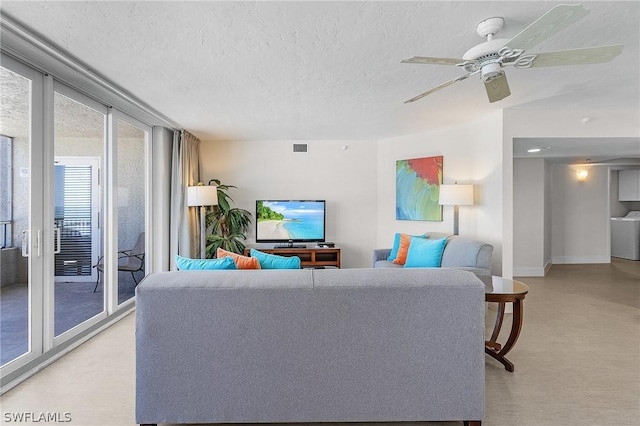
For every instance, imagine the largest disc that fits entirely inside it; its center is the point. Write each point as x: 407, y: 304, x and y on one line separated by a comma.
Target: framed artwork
x: 418, y: 189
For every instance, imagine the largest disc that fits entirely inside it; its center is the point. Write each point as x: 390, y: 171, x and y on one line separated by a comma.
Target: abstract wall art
x: 418, y: 189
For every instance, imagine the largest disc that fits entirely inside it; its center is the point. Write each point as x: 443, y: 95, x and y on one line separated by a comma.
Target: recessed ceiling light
x: 534, y: 150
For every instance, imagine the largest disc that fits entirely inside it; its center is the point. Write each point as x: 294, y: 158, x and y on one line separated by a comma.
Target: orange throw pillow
x: 403, y: 249
x: 242, y: 262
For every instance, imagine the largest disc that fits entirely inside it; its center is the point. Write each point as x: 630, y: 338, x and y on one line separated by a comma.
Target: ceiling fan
x: 491, y: 57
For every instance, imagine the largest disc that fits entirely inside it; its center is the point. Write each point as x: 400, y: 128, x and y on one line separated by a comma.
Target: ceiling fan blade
x: 427, y: 60
x: 547, y: 25
x: 497, y: 89
x: 435, y: 89
x: 588, y: 55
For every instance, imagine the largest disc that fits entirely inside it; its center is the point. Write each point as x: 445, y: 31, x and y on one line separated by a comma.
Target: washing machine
x: 625, y: 236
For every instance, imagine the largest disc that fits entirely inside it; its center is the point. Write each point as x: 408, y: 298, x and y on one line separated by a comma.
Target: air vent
x: 299, y: 147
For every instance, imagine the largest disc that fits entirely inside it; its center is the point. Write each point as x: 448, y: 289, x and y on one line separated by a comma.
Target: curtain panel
x: 185, y: 172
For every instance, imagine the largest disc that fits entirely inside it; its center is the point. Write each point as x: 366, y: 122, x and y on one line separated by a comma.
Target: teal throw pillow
x: 396, y: 245
x: 424, y: 253
x: 272, y: 261
x: 394, y: 249
x: 186, y: 264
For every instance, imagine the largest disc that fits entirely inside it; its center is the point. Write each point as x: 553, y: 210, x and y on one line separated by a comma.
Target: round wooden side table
x: 502, y: 291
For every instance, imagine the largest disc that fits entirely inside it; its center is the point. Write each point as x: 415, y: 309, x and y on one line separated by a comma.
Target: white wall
x: 548, y: 231
x: 359, y: 183
x: 580, y: 216
x: 620, y: 208
x: 529, y: 207
x: 346, y: 178
x: 557, y: 219
x: 550, y: 123
x: 472, y: 155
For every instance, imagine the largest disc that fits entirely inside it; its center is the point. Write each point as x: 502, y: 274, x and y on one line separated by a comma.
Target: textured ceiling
x: 619, y: 151
x: 328, y: 70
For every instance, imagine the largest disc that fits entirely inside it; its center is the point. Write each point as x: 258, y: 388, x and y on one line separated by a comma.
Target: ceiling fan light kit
x: 491, y: 57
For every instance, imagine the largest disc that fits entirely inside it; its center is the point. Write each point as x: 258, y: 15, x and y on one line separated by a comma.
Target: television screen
x: 290, y: 220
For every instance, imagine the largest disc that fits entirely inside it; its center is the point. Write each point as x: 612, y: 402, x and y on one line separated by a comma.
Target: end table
x: 501, y: 291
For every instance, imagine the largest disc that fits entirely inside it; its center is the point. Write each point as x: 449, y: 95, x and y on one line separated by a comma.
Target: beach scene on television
x: 290, y: 220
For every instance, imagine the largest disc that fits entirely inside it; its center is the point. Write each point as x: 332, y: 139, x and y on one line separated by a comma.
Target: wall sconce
x: 202, y: 196
x: 456, y: 195
x: 582, y: 175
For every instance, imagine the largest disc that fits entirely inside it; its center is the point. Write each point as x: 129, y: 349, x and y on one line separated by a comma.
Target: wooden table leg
x: 516, y: 326
x: 498, y: 325
x: 491, y: 343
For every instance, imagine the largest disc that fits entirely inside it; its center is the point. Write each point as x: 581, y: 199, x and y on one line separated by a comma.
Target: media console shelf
x: 309, y: 257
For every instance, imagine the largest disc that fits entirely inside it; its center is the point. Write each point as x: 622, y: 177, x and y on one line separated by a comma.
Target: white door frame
x: 96, y: 236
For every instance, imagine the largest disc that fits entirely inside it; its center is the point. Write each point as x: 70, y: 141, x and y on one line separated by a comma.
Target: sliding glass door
x: 74, y: 202
x: 80, y: 129
x: 21, y: 220
x: 131, y: 174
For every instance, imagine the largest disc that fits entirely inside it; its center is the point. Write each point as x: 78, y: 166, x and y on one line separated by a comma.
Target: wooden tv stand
x: 309, y: 257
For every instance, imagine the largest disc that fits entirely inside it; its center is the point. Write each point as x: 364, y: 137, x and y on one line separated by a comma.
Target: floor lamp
x: 456, y: 195
x: 202, y: 196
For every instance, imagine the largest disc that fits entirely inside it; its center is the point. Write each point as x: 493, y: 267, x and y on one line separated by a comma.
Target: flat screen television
x: 286, y: 222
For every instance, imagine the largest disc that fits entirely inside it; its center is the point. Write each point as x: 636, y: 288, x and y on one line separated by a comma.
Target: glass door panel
x: 17, y: 229
x: 77, y: 205
x: 131, y: 206
x: 79, y: 141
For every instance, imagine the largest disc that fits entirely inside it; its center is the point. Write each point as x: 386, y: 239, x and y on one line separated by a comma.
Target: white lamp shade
x: 456, y: 195
x: 203, y: 195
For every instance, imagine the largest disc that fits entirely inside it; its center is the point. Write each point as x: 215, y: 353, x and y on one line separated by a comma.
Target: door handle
x: 25, y: 243
x: 56, y: 236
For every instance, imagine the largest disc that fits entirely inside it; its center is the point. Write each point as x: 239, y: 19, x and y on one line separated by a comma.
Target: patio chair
x: 128, y: 260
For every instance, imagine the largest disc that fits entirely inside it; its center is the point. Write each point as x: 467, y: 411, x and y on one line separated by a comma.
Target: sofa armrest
x: 485, y: 254
x: 465, y: 252
x: 380, y: 254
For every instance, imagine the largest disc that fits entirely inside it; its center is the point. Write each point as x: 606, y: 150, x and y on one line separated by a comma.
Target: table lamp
x: 202, y: 196
x: 456, y: 195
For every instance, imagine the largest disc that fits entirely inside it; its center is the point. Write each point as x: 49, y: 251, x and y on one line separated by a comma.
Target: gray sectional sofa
x: 460, y: 253
x: 332, y: 345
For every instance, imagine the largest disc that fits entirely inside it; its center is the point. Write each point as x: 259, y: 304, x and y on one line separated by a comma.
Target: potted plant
x: 228, y: 224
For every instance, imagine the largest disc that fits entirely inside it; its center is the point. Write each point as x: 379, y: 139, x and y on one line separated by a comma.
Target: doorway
x: 76, y: 218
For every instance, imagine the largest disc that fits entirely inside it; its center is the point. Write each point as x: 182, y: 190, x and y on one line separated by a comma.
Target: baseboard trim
x: 567, y: 260
x: 528, y: 272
